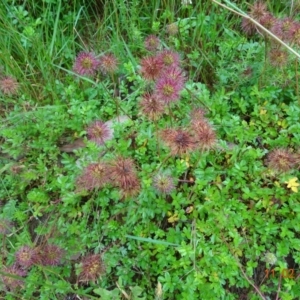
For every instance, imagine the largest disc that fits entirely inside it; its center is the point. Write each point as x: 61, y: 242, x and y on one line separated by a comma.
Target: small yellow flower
x: 292, y: 184
x: 263, y: 111
x: 282, y: 123
x: 186, y: 161
x: 173, y: 218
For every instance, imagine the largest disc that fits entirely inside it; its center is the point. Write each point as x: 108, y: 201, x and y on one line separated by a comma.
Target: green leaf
x: 107, y: 295
x: 148, y: 240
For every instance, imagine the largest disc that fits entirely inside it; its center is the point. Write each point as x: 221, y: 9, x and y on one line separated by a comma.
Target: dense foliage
x: 149, y: 151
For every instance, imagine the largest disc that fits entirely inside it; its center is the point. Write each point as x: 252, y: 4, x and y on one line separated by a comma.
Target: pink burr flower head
x: 49, y: 255
x: 164, y: 183
x: 178, y: 140
x: 278, y: 57
x: 123, y: 175
x: 92, y: 268
x: 268, y: 21
x: 95, y: 176
x: 175, y: 73
x: 152, y: 106
x: 11, y: 282
x: 248, y: 27
x: 172, y: 29
x: 204, y: 134
x: 151, y: 67
x: 258, y: 10
x: 108, y: 63
x: 86, y: 64
x: 167, y: 89
x: 198, y: 114
x: 99, y: 132
x: 152, y: 42
x: 169, y: 58
x: 281, y: 160
x: 25, y: 256
x: 284, y: 29
x: 9, y: 85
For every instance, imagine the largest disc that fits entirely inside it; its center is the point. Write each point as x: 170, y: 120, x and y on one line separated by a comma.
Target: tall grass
x: 33, y: 37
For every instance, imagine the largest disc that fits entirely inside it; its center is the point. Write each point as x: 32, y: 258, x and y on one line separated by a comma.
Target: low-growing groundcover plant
x: 152, y: 165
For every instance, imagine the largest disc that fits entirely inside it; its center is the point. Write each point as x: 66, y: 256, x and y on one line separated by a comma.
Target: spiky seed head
x: 258, y: 10
x: 11, y: 282
x: 108, y: 63
x: 86, y: 63
x: 123, y: 175
x: 288, y: 28
x: 278, y: 57
x: 281, y: 160
x: 53, y: 255
x: 131, y: 189
x: 164, y: 183
x: 25, y: 256
x: 205, y: 136
x: 49, y: 255
x: 152, y: 42
x: 152, y: 106
x: 169, y: 58
x: 167, y: 89
x: 277, y: 28
x: 175, y: 73
x: 172, y: 29
x: 179, y: 141
x: 284, y: 29
x: 9, y: 85
x: 248, y: 27
x: 95, y: 176
x: 268, y: 21
x: 92, y: 267
x: 121, y: 170
x: 151, y: 67
x: 99, y: 132
x: 198, y: 114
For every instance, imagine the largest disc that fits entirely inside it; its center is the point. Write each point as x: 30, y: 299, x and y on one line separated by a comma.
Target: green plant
x: 138, y: 172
